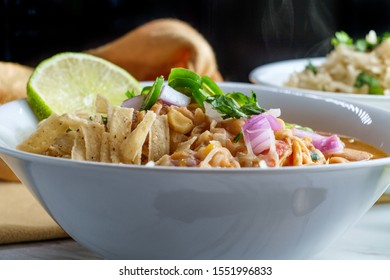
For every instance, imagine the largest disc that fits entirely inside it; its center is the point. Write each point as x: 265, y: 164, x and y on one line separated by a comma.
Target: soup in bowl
x: 181, y: 209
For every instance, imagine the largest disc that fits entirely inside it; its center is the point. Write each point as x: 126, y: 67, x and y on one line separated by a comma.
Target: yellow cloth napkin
x: 385, y: 198
x: 22, y: 218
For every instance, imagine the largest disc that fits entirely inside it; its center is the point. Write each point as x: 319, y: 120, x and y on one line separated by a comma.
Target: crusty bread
x: 13, y: 82
x: 155, y: 47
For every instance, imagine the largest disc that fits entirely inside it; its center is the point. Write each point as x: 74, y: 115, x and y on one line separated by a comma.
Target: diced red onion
x: 171, y: 96
x: 274, y: 112
x: 258, y: 132
x: 326, y: 144
x: 134, y: 102
x: 257, y: 120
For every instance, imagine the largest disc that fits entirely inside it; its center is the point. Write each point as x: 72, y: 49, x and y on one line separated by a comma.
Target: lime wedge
x: 70, y: 81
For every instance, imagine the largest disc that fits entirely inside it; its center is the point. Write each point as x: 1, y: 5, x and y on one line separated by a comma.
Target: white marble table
x: 369, y: 239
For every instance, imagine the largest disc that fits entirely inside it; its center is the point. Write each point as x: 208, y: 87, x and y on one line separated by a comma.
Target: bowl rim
x: 255, y: 72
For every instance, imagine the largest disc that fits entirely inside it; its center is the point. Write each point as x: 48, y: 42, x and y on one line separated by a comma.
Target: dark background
x: 244, y: 34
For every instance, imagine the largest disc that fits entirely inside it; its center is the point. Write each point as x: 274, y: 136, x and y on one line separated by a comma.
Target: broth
x: 359, y: 145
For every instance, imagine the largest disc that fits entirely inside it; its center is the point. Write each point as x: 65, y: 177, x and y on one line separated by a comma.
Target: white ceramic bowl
x: 277, y: 73
x: 138, y: 212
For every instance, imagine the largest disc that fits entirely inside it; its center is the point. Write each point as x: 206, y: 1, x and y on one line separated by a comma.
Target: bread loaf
x: 13, y: 82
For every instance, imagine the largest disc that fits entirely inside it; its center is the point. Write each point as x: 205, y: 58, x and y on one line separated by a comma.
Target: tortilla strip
x: 105, y: 148
x: 119, y: 124
x: 93, y: 138
x: 159, y: 138
x: 185, y: 145
x: 102, y: 104
x: 78, y: 149
x: 62, y: 146
x: 131, y: 148
x: 47, y: 132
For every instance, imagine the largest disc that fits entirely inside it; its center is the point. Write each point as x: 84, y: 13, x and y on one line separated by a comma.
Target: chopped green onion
x: 341, y: 37
x: 366, y: 44
x: 373, y: 83
x: 130, y: 94
x: 361, y: 45
x: 312, y: 68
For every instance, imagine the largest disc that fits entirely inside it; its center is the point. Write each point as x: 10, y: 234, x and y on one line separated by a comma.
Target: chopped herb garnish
x: 130, y: 94
x: 370, y: 42
x: 226, y: 106
x: 341, y: 37
x: 311, y: 68
x: 90, y: 118
x: 104, y: 119
x: 361, y: 45
x: 373, y: 83
x: 68, y: 130
x: 238, y: 137
x: 314, y: 156
x: 204, y: 89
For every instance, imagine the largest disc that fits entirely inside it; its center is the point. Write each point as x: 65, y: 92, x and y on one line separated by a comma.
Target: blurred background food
x: 244, y: 34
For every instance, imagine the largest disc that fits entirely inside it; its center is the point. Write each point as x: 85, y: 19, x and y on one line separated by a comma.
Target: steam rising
x: 283, y: 26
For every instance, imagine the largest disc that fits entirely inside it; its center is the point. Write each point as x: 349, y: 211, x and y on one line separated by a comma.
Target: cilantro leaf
x: 236, y: 105
x: 226, y: 106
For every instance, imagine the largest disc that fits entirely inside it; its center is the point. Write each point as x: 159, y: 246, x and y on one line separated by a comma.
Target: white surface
x: 123, y: 211
x: 369, y: 239
x: 277, y: 73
